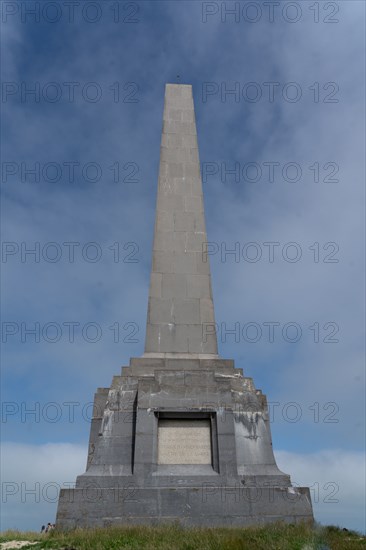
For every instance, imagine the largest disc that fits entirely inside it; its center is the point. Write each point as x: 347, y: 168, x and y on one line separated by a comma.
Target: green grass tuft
x: 277, y: 536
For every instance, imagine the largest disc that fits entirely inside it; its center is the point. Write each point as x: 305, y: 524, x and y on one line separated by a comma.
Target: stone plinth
x: 126, y: 482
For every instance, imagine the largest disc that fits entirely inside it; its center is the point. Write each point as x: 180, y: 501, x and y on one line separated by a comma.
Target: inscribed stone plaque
x: 184, y: 441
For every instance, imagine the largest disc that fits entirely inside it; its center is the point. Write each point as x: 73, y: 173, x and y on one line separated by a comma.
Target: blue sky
x: 310, y: 133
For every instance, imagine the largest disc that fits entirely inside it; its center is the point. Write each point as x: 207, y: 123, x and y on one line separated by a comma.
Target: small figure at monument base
x: 181, y: 435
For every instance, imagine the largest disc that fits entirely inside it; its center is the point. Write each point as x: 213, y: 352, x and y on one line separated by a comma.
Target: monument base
x: 178, y: 440
x: 208, y: 505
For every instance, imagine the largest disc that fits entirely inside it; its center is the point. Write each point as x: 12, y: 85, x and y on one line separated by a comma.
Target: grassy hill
x: 271, y: 537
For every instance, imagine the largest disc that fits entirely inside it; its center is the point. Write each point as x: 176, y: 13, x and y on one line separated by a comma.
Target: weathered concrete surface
x: 233, y: 478
x: 208, y: 504
x: 125, y: 483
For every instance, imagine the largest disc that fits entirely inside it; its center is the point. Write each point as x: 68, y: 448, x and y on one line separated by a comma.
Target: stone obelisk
x: 180, y: 298
x: 181, y: 435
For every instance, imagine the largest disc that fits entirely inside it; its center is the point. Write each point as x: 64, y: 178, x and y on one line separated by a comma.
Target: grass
x: 277, y: 536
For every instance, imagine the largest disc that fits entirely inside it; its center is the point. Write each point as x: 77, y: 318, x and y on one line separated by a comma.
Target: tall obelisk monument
x: 180, y: 298
x: 181, y: 435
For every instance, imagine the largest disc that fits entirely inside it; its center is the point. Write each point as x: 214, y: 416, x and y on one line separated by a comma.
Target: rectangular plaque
x: 184, y: 441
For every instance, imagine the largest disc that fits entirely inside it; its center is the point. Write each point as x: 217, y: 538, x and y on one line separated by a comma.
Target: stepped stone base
x: 214, y: 466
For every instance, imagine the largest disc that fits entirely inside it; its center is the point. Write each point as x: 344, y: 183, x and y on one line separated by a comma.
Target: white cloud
x: 31, y: 478
x: 336, y: 479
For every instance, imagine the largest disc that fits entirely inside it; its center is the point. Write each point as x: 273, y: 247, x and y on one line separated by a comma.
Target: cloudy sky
x: 278, y: 93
